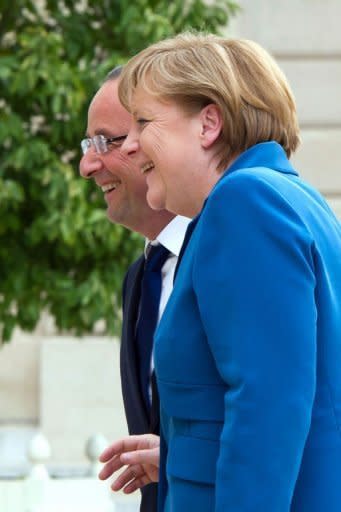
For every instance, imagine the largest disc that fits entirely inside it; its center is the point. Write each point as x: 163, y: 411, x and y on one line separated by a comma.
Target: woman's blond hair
x: 237, y: 75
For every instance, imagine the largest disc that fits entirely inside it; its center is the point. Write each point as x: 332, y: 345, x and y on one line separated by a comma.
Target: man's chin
x: 115, y: 216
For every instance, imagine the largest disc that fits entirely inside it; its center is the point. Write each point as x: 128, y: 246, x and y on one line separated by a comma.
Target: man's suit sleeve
x: 134, y: 408
x: 126, y: 283
x: 124, y: 292
x: 254, y: 281
x: 129, y: 284
x: 128, y: 358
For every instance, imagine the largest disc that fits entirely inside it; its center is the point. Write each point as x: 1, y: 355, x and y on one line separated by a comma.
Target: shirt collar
x: 172, y: 235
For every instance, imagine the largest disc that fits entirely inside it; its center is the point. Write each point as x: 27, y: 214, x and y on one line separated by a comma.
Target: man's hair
x: 114, y: 74
x: 239, y: 76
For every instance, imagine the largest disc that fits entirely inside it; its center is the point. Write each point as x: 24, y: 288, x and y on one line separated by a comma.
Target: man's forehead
x: 106, y: 115
x: 106, y: 94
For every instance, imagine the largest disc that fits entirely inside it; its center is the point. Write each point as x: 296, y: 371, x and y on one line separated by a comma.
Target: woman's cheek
x: 146, y: 140
x: 151, y: 142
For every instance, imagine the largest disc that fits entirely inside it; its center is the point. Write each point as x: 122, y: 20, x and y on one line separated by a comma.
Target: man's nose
x: 89, y: 164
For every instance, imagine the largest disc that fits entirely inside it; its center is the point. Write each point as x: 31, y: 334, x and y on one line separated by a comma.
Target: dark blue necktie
x: 148, y: 313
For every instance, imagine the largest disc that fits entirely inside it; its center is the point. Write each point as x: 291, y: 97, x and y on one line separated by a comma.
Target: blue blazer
x: 248, y: 351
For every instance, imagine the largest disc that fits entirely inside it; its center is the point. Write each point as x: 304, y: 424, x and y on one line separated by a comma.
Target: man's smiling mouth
x: 109, y: 186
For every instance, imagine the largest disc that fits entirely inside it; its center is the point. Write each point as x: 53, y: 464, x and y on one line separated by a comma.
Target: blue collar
x: 264, y: 154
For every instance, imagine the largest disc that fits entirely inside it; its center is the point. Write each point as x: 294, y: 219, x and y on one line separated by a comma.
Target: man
x: 124, y: 188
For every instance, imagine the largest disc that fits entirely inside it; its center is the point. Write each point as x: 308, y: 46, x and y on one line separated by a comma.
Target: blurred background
x: 61, y: 261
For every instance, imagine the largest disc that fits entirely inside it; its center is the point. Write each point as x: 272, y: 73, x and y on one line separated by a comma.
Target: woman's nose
x: 130, y: 145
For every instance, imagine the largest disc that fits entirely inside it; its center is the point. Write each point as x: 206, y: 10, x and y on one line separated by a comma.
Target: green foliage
x: 58, y: 251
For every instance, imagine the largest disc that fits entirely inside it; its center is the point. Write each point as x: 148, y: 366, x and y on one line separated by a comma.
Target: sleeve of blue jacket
x: 254, y: 281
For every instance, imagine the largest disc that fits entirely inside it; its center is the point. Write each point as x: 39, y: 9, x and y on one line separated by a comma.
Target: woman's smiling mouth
x: 147, y: 167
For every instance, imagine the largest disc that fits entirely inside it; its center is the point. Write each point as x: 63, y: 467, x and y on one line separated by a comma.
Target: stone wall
x: 305, y: 38
x: 69, y: 388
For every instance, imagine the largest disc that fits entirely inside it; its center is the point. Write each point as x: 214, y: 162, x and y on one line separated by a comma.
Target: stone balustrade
x: 44, y: 490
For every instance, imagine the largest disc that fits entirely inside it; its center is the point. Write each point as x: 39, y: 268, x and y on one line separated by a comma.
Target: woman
x: 248, y: 352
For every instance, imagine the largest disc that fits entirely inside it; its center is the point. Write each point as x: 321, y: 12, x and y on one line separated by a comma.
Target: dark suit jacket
x: 139, y: 420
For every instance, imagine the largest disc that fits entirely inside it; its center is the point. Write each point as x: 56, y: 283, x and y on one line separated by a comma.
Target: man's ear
x: 211, y: 125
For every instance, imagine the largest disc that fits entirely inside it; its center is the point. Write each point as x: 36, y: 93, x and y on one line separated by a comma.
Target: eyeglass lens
x: 98, y: 141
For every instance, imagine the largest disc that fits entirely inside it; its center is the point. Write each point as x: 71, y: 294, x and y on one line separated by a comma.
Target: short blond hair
x: 239, y: 76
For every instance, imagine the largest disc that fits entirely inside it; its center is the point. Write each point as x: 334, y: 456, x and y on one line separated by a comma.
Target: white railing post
x: 93, y: 448
x: 36, y: 483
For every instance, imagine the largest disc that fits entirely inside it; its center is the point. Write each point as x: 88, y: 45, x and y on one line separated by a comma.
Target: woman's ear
x: 211, y: 125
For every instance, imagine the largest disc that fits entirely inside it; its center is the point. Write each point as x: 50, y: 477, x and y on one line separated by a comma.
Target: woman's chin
x: 155, y: 200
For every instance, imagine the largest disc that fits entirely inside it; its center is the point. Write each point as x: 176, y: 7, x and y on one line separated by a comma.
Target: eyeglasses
x: 101, y: 143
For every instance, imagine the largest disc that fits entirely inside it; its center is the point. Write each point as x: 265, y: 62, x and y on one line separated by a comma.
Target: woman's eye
x: 142, y: 121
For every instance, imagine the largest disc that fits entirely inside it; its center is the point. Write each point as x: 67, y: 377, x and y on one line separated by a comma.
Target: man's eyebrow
x: 99, y: 132
x: 103, y: 131
x: 109, y: 135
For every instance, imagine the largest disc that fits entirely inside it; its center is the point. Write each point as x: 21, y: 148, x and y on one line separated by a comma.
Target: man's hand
x: 140, y: 454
